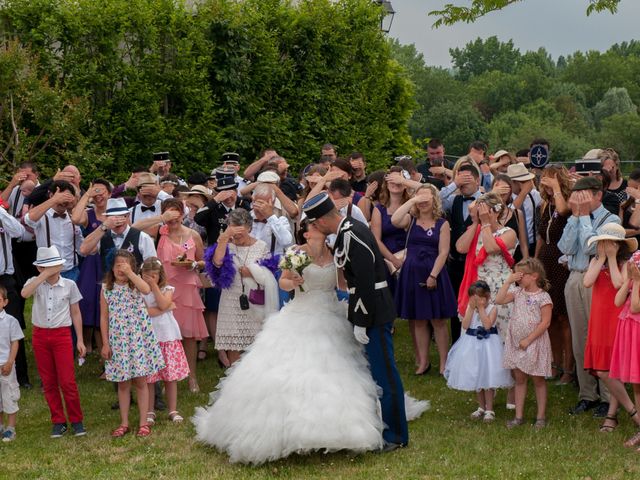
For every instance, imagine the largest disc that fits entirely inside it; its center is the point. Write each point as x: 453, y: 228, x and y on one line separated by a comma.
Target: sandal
x: 515, y: 422
x: 151, y: 418
x: 143, y: 431
x: 175, y: 417
x: 540, y: 423
x: 478, y: 414
x: 604, y: 428
x: 489, y: 416
x: 120, y: 432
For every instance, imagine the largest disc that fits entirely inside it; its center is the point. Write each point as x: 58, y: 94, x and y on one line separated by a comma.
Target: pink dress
x: 525, y: 317
x: 189, y: 307
x: 625, y: 356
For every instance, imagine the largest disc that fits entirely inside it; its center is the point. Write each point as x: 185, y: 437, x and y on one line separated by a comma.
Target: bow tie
x: 60, y: 215
x: 117, y: 235
x: 144, y: 209
x: 468, y: 199
x: 255, y: 220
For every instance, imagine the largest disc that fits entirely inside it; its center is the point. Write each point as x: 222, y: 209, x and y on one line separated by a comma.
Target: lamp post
x: 387, y: 18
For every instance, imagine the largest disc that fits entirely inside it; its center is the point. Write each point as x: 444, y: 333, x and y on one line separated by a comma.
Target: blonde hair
x: 436, y: 203
x: 495, y: 203
x: 153, y: 264
x: 533, y: 265
x: 610, y: 154
x: 465, y: 160
x: 564, y: 180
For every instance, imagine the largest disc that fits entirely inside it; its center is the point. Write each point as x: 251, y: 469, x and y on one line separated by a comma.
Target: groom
x: 371, y: 308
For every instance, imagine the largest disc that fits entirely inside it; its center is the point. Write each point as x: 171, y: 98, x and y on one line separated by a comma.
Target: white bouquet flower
x: 295, y: 260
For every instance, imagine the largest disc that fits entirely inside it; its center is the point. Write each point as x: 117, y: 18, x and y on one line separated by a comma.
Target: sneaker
x: 58, y: 430
x: 582, y: 406
x: 9, y: 435
x: 489, y: 416
x: 478, y: 414
x: 78, y: 429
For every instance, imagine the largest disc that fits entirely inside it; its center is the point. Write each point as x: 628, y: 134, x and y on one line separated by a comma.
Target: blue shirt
x: 447, y: 195
x: 578, y: 231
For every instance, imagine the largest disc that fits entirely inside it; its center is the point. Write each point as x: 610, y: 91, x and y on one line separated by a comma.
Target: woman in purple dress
x: 424, y: 292
x: 391, y: 239
x: 90, y: 279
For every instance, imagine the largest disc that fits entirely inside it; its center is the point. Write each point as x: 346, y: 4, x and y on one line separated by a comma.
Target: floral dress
x: 134, y: 346
x: 495, y: 270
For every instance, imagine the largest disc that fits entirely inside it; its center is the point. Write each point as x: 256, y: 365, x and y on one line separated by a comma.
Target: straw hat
x: 48, y: 257
x: 615, y: 232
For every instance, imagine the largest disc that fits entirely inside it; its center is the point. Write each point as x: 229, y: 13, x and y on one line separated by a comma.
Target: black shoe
x: 58, y: 430
x: 426, y: 370
x: 390, y: 447
x: 582, y: 406
x: 115, y: 405
x: 26, y: 385
x: 601, y: 410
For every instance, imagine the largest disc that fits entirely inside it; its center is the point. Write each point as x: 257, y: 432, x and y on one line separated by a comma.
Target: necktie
x: 60, y: 215
x: 144, y: 209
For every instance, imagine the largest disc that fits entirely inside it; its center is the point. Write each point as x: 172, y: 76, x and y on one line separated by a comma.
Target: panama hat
x: 519, y: 173
x: 48, y: 257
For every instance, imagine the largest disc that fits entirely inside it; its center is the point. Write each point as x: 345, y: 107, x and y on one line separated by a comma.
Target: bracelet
x: 431, y: 276
x: 555, y: 194
x: 486, y: 225
x: 637, y: 201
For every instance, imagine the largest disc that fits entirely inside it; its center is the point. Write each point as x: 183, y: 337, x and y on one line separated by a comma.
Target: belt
x: 481, y: 333
x: 378, y: 286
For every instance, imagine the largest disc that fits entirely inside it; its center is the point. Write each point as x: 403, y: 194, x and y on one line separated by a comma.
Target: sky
x: 561, y: 26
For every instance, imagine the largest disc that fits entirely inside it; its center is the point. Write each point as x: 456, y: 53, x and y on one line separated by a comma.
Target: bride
x: 304, y: 384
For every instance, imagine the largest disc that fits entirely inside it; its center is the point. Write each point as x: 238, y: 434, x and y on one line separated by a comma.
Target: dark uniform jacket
x: 213, y: 217
x: 356, y: 250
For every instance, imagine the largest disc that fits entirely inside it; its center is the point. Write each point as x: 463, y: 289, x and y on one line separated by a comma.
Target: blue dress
x: 393, y: 238
x: 90, y: 279
x: 414, y: 302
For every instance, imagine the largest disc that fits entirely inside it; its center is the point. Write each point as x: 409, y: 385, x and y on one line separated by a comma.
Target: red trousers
x: 53, y: 350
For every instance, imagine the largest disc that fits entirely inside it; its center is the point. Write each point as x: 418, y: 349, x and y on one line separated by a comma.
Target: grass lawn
x: 445, y: 442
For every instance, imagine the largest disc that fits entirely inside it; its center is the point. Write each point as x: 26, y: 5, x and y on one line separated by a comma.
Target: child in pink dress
x: 625, y: 355
x: 527, y: 348
x: 159, y: 305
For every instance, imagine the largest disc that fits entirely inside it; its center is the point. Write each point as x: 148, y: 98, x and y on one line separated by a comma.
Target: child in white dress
x: 475, y: 360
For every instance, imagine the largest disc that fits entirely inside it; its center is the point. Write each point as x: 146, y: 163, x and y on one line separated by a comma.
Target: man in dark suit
x: 371, y: 307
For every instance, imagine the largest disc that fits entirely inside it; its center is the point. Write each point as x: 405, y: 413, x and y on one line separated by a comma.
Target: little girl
x: 625, y: 354
x: 159, y: 305
x: 475, y: 360
x: 130, y: 346
x: 527, y: 349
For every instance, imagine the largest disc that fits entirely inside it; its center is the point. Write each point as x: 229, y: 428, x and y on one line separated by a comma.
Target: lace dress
x: 237, y: 328
x: 495, y: 270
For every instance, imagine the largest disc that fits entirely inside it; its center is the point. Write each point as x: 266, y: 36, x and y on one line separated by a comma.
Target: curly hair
x: 495, y: 203
x: 562, y: 174
x: 436, y: 207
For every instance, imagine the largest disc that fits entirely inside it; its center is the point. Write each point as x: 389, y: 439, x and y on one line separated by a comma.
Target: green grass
x: 444, y: 443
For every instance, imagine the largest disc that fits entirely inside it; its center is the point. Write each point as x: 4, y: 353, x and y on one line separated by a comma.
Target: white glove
x: 361, y: 334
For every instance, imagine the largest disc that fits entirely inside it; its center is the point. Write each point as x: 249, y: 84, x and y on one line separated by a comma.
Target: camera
x: 244, y: 302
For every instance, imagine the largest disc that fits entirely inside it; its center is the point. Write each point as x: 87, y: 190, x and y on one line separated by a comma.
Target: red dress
x: 625, y: 359
x: 603, y: 322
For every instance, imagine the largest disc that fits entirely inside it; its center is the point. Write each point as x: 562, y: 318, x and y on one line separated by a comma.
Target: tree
x: 451, y: 13
x: 456, y: 125
x: 482, y: 56
x: 615, y: 101
x: 620, y: 132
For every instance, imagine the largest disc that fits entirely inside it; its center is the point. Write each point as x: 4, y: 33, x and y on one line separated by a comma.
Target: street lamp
x: 388, y: 13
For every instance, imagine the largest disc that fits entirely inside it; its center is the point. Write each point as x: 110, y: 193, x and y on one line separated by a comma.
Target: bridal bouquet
x: 296, y: 260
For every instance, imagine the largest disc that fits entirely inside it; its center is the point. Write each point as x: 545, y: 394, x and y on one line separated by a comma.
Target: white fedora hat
x: 519, y: 173
x: 116, y: 206
x: 48, y: 257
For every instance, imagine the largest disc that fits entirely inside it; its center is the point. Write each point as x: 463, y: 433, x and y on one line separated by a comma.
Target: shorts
x: 9, y: 393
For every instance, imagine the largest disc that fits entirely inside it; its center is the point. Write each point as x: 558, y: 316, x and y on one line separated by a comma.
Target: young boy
x: 10, y: 336
x: 55, y: 308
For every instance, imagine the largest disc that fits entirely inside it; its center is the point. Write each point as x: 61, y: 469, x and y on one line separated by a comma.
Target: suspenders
x: 4, y: 248
x: 73, y: 229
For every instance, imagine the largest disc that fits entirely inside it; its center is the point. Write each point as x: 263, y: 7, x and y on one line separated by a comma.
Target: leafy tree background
x: 150, y: 75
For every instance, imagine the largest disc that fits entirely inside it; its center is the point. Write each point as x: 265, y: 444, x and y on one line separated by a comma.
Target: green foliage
x: 620, y: 131
x: 615, y: 101
x: 452, y: 14
x: 482, y: 56
x: 222, y: 75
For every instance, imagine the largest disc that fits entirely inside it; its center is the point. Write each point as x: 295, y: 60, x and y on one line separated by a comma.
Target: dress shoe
x: 390, y: 447
x: 582, y: 406
x: 26, y: 386
x: 601, y: 410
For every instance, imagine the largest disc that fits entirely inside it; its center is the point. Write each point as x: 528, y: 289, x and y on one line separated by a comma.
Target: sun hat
x: 198, y: 190
x: 500, y: 153
x: 519, y: 173
x: 615, y: 232
x: 48, y: 257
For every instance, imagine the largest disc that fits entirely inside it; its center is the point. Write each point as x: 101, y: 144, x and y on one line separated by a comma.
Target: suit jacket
x: 356, y: 250
x: 213, y: 217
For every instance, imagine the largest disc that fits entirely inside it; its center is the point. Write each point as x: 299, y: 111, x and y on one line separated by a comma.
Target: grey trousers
x: 579, y: 308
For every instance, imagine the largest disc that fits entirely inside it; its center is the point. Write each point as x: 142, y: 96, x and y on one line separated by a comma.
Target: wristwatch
x: 103, y: 227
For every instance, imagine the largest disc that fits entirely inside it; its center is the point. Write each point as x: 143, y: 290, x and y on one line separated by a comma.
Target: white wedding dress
x: 303, y: 385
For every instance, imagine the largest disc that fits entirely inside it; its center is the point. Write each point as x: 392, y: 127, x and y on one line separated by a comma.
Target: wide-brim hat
x: 116, y: 206
x: 318, y: 206
x: 48, y: 257
x: 519, y: 173
x: 198, y: 190
x: 500, y: 153
x: 615, y: 232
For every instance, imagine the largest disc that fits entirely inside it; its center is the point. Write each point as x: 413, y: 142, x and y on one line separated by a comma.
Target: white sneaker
x: 511, y: 406
x: 478, y: 414
x: 489, y: 416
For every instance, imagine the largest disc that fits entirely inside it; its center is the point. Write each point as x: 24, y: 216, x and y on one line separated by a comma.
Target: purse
x: 400, y: 254
x: 256, y: 296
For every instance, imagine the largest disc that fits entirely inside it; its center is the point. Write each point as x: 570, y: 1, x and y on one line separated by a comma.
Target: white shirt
x: 16, y: 204
x: 62, y: 234
x: 165, y: 326
x: 529, y: 207
x: 280, y: 228
x: 145, y: 243
x: 10, y: 331
x: 52, y: 303
x: 11, y: 228
x: 136, y: 212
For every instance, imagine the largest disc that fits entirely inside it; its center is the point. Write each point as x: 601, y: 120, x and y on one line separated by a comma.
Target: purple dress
x: 90, y: 279
x: 393, y: 238
x: 414, y: 302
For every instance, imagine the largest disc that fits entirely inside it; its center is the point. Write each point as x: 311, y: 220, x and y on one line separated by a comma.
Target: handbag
x: 400, y: 254
x: 256, y: 296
